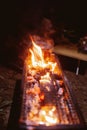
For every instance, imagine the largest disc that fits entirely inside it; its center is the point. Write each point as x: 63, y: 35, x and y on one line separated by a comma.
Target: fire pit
x: 47, y: 99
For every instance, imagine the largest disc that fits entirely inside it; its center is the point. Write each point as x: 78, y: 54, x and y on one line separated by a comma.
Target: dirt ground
x: 8, y: 78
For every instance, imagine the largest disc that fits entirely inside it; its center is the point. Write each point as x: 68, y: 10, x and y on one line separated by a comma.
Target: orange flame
x: 37, y: 55
x: 38, y: 59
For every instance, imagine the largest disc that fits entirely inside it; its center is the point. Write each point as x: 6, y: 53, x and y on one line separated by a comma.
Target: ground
x: 8, y: 78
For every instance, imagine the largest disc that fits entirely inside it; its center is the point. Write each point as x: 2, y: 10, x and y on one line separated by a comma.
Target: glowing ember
x: 48, y: 115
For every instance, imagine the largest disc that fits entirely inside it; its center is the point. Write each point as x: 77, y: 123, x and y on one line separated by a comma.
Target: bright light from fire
x: 45, y: 78
x: 37, y: 55
x: 39, y: 60
x: 48, y: 114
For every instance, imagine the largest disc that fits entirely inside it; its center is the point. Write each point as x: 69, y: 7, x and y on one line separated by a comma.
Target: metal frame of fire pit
x: 81, y: 123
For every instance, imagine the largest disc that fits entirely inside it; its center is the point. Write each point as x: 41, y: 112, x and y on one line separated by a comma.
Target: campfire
x: 46, y: 98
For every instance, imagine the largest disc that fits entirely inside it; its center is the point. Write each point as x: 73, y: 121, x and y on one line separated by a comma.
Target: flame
x: 39, y: 60
x: 37, y: 55
x: 45, y: 78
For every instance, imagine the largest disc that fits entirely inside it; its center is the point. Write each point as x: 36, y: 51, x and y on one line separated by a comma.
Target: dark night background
x: 18, y: 13
x: 20, y: 16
